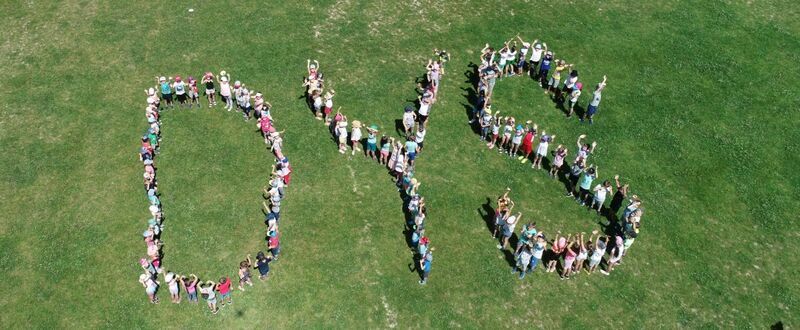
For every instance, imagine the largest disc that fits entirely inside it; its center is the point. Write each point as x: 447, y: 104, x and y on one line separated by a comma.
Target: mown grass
x: 699, y: 117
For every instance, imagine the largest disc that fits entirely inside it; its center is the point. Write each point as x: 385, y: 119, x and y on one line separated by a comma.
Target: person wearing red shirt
x: 224, y: 289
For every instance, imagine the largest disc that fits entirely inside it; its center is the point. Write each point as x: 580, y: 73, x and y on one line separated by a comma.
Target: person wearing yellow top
x: 561, y: 65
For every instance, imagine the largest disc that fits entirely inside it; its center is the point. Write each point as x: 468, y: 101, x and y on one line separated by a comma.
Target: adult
x: 508, y: 228
x: 536, y: 57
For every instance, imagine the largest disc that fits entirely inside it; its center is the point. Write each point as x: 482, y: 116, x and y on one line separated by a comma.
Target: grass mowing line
x: 155, y: 225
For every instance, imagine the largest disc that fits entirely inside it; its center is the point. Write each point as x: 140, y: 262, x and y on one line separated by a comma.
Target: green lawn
x: 699, y: 115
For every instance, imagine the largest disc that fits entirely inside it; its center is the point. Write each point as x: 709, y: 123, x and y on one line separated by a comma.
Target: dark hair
x: 574, y: 73
x: 221, y: 280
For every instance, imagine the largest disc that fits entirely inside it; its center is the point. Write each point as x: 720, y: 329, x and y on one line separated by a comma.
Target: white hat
x: 237, y: 83
x: 142, y: 277
x: 162, y: 79
x: 151, y: 91
x: 342, y: 124
x: 224, y: 78
x: 538, y: 46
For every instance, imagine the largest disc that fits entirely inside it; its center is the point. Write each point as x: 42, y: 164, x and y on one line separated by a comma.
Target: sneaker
x: 604, y: 272
x: 525, y: 160
x: 421, y: 282
x: 520, y: 157
x: 500, y: 246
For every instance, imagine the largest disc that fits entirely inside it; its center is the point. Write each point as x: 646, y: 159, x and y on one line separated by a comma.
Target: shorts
x: 421, y: 145
x: 181, y: 98
x: 212, y: 299
x: 371, y: 147
x: 412, y: 156
x: 173, y: 290
x: 225, y: 295
x: 506, y: 231
x: 151, y: 290
x: 210, y: 91
x: 327, y: 111
x: 192, y: 296
x: 409, y: 123
x: 553, y: 82
x: 275, y: 251
x: 342, y: 139
x: 516, y: 140
x: 423, y: 118
x: 167, y: 97
x: 385, y: 153
x: 591, y: 110
x: 594, y: 262
x: 522, y: 63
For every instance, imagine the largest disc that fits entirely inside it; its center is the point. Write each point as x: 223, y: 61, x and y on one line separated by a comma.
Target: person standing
x: 150, y: 287
x: 224, y: 289
x: 262, y: 263
x: 595, y: 103
x: 207, y: 291
x: 425, y: 265
x: 508, y: 229
x: 524, y: 257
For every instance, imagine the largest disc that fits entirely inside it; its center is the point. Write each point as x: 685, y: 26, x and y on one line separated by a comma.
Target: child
x: 262, y: 263
x: 400, y: 161
x: 569, y: 259
x: 569, y: 85
x: 355, y: 136
x: 598, y: 252
x: 412, y: 148
x: 575, y: 174
x: 616, y: 255
x: 424, y: 110
x: 420, y: 137
x: 425, y: 265
x: 558, y: 160
x: 496, y: 123
x: 190, y: 286
x: 541, y: 150
x: 317, y: 102
x: 328, y: 105
x: 386, y: 146
x: 573, y: 98
x: 208, y: 80
x: 341, y: 133
x: 180, y: 90
x: 312, y: 69
x: 372, y: 140
x: 516, y: 141
x: 409, y: 118
x: 166, y: 90
x: 600, y: 192
x: 585, y: 184
x: 527, y: 142
x: 207, y: 291
x: 194, y: 93
x: 524, y: 257
x: 274, y: 243
x: 583, y: 253
x: 538, y: 250
x: 393, y: 157
x: 507, y: 130
x: 225, y: 90
x: 508, y: 228
x: 224, y: 289
x: 485, y: 122
x: 150, y: 287
x: 246, y: 106
x: 172, y: 283
x: 244, y: 273
x: 545, y: 68
x: 559, y: 244
x: 555, y: 79
x: 596, y: 95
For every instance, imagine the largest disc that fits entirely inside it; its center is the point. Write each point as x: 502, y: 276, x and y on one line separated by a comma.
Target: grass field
x: 699, y: 115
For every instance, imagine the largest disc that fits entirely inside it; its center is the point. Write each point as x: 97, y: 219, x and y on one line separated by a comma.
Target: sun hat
x: 223, y: 78
x: 356, y: 124
x: 237, y: 84
x: 519, y: 126
x: 151, y: 91
x: 162, y: 79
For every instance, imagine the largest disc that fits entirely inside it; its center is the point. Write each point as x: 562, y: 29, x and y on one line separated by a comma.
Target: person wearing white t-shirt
x: 522, y: 63
x: 600, y: 193
x: 536, y: 56
x: 508, y: 228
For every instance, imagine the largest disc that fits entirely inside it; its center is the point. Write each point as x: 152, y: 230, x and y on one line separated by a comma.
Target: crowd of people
x: 536, y: 61
x: 216, y: 294
x: 574, y: 253
x: 517, y: 140
x: 399, y: 155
